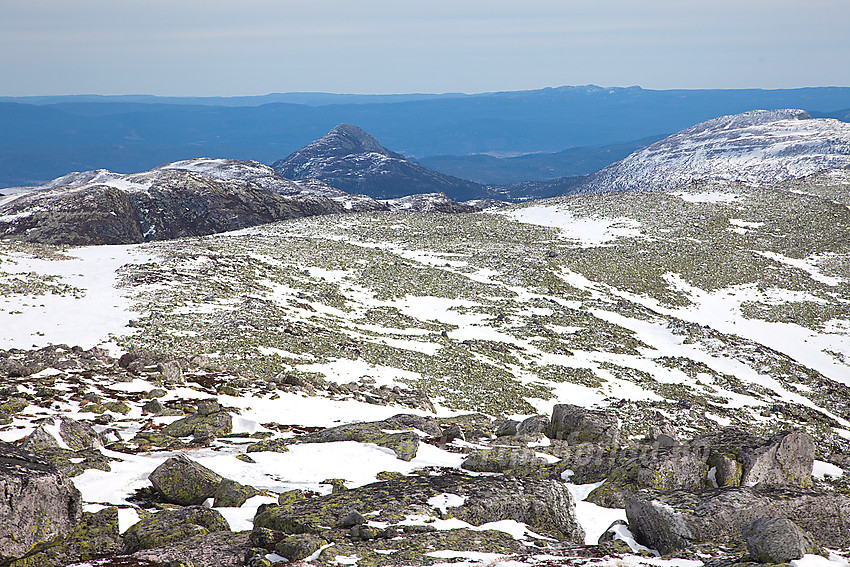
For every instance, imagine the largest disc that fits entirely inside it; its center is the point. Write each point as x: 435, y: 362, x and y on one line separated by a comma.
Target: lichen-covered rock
x: 201, y: 425
x: 300, y: 546
x: 778, y: 540
x: 39, y: 503
x: 183, y: 481
x: 96, y: 536
x: 405, y: 444
x: 425, y: 424
x: 230, y: 493
x: 534, y: 425
x: 274, y: 445
x: 169, y: 526
x: 674, y: 520
x: 218, y: 549
x: 503, y: 459
x: 744, y: 459
x: 545, y: 505
x: 576, y: 424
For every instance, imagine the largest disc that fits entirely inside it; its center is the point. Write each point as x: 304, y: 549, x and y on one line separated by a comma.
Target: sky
x: 254, y: 47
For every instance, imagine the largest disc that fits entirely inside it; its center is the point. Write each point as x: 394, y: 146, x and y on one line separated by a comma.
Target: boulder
x: 507, y: 428
x: 404, y: 444
x: 169, y: 526
x: 778, y: 540
x: 503, y: 459
x: 300, y: 546
x: 675, y: 519
x: 425, y: 424
x: 39, y: 503
x: 534, y: 425
x: 182, y: 481
x: 203, y: 426
x: 575, y: 424
x: 232, y: 494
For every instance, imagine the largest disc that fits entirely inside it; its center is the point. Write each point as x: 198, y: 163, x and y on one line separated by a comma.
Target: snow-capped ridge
x: 760, y: 146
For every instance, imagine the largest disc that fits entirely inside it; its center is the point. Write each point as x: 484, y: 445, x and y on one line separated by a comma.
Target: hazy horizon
x: 258, y: 47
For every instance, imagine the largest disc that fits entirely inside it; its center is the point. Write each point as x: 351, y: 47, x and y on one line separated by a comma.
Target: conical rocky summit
x: 350, y: 159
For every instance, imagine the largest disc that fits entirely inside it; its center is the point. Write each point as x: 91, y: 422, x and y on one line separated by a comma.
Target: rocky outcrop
x: 160, y: 206
x: 382, y: 433
x: 675, y: 520
x: 169, y: 526
x: 95, y: 537
x: 209, y: 421
x: 218, y: 548
x: 502, y: 459
x: 725, y: 458
x: 350, y: 159
x: 546, y: 506
x: 575, y: 424
x: 40, y: 503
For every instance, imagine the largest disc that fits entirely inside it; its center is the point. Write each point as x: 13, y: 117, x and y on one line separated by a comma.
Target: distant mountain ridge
x: 41, y: 142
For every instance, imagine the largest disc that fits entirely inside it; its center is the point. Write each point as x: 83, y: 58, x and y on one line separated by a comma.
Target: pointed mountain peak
x: 345, y: 140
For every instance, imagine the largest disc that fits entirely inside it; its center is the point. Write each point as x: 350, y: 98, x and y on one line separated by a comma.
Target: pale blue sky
x: 248, y: 47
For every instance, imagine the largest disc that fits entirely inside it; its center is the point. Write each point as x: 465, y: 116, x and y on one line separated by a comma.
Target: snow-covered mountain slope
x: 352, y: 160
x: 185, y: 198
x: 708, y: 305
x: 761, y: 146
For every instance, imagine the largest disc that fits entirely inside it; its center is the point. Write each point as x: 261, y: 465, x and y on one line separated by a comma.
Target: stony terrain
x: 603, y: 379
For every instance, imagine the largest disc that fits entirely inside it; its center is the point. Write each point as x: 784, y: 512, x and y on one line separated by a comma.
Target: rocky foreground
x: 721, y: 498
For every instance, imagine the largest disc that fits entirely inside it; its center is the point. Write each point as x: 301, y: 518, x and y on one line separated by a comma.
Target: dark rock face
x: 39, y: 503
x: 175, y: 204
x: 576, y: 424
x: 778, y: 540
x: 350, y: 159
x: 675, y: 520
x: 183, y: 481
x: 170, y: 526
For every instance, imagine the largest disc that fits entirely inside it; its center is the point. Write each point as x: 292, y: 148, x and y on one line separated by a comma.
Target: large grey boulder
x: 39, y: 503
x: 676, y: 519
x: 742, y: 459
x: 169, y: 526
x: 502, y: 459
x: 575, y: 424
x: 203, y: 424
x: 778, y: 540
x: 182, y: 481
